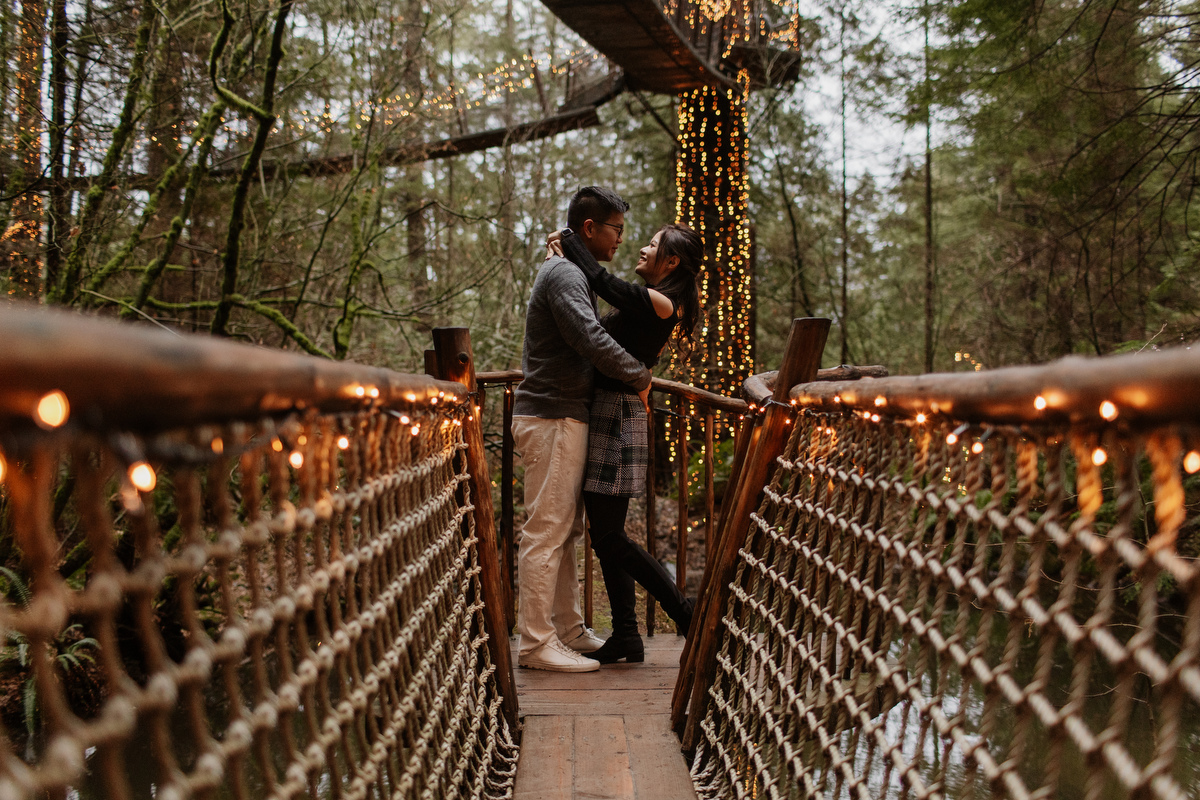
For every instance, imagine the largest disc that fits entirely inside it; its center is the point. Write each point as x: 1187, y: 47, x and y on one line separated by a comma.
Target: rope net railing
x: 975, y: 588
x: 284, y: 605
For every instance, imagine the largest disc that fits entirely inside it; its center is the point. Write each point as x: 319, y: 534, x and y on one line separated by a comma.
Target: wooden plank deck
x: 603, y: 734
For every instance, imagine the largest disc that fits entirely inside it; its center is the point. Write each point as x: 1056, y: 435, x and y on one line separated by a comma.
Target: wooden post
x: 681, y: 483
x: 801, y: 359
x: 744, y: 442
x: 651, y: 510
x: 710, y: 503
x: 431, y: 365
x: 507, y: 533
x: 456, y: 362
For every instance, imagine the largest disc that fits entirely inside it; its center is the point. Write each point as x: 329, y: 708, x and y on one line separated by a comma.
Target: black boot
x: 652, y: 576
x: 625, y: 642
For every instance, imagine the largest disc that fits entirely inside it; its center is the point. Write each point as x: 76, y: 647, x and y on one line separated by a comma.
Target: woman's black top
x: 632, y: 322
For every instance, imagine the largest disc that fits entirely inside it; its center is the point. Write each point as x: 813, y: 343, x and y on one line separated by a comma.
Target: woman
x: 642, y: 321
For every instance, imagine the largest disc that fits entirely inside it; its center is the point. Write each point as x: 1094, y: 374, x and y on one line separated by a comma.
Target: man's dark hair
x: 595, y: 203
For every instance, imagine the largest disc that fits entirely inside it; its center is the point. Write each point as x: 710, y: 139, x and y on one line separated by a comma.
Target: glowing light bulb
x: 920, y: 419
x: 302, y: 439
x: 977, y: 448
x: 404, y: 420
x: 951, y: 438
x: 373, y: 391
x: 218, y: 445
x: 416, y: 429
x: 1099, y: 456
x: 874, y: 418
x: 3, y: 467
x: 1108, y: 410
x: 412, y: 398
x: 881, y: 401
x: 1039, y: 403
x: 1191, y: 462
x: 343, y: 442
x: 360, y: 391
x: 277, y: 445
x: 296, y: 459
x: 53, y: 409
x: 142, y: 476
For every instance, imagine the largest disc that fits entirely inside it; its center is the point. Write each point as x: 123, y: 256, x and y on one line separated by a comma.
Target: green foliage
x: 70, y: 649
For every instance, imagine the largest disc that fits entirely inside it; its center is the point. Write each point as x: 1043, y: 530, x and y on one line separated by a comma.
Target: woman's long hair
x: 680, y: 286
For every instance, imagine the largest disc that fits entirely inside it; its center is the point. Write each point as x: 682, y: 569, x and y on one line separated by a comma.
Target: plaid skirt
x: 617, y: 450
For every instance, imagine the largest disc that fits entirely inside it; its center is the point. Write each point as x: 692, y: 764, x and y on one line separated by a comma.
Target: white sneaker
x: 585, y: 642
x: 557, y: 657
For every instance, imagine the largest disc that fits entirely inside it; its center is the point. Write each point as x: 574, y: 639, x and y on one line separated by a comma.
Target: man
x: 563, y: 342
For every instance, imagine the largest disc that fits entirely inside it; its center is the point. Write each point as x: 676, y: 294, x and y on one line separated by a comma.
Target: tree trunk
x: 711, y: 176
x: 929, y: 261
x: 60, y: 198
x: 22, y: 240
x: 843, y: 320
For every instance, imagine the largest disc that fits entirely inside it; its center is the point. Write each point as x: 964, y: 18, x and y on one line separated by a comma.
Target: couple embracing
x: 579, y: 422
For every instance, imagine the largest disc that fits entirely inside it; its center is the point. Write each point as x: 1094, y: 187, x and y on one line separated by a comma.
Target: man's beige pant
x: 555, y: 456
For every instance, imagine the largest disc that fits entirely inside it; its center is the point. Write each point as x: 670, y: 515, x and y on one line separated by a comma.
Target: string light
x: 977, y: 448
x: 1039, y: 403
x: 52, y: 410
x: 277, y: 445
x: 343, y: 442
x: 218, y: 445
x: 712, y: 197
x: 962, y: 356
x: 881, y: 401
x: 1191, y: 462
x: 142, y: 476
x: 1108, y: 410
x: 920, y: 419
x: 296, y: 459
x: 1099, y: 456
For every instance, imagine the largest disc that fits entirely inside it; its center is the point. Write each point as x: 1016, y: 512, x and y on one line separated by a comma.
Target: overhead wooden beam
x: 566, y: 120
x: 576, y: 119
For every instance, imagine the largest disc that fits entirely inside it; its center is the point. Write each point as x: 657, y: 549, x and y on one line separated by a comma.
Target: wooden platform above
x: 603, y: 734
x: 636, y: 36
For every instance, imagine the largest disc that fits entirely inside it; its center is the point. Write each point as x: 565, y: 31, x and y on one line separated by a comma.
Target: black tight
x: 622, y: 561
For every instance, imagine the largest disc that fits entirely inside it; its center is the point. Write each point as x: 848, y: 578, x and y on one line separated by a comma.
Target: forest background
x: 959, y: 184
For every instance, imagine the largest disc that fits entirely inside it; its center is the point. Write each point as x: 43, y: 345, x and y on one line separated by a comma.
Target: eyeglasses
x: 620, y: 229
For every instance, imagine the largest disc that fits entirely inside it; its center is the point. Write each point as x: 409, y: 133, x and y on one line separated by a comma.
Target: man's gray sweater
x: 563, y: 340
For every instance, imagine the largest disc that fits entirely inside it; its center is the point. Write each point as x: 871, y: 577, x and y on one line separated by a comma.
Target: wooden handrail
x: 139, y: 378
x: 701, y: 397
x: 1145, y: 388
x: 758, y: 388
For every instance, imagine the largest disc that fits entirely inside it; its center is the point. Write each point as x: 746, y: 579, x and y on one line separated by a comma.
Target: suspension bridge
x: 293, y: 582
